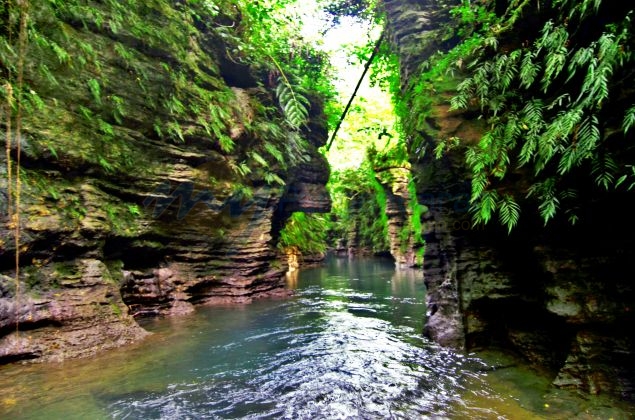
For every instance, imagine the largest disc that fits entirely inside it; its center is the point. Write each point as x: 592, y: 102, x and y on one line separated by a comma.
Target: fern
x: 625, y: 176
x: 48, y: 75
x: 119, y: 111
x: 439, y: 149
x: 296, y: 149
x: 274, y: 152
x: 582, y: 58
x: 579, y: 8
x: 34, y: 100
x: 258, y: 158
x: 174, y: 106
x: 528, y: 70
x: 554, y: 42
x: 488, y: 205
x: 226, y: 143
x: 174, y: 129
x: 95, y: 90
x: 126, y: 55
x: 62, y: 55
x: 546, y: 193
x: 156, y: 126
x: 272, y: 178
x: 548, y: 208
x: 106, y: 128
x: 241, y: 168
x: 604, y: 169
x: 465, y: 90
x: 509, y: 212
x: 294, y: 105
x: 105, y: 164
x: 86, y: 113
x: 629, y: 119
x: 482, y: 211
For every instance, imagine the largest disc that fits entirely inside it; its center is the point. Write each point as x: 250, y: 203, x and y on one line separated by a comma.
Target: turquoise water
x: 347, y: 345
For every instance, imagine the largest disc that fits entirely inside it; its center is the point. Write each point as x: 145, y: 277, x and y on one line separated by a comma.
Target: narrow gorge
x: 167, y: 157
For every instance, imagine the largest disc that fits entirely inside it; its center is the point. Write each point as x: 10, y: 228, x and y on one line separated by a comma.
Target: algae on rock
x: 157, y: 166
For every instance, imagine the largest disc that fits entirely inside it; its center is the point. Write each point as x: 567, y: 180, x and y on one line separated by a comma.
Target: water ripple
x: 345, y: 347
x: 334, y: 352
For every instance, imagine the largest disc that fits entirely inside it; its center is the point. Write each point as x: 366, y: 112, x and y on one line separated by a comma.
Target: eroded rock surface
x: 561, y: 297
x: 155, y: 206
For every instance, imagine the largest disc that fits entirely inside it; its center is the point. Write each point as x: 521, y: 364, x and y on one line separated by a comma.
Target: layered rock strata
x: 138, y: 200
x: 561, y: 297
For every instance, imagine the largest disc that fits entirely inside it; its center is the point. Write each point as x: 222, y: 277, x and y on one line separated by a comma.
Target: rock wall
x: 560, y: 296
x: 380, y: 218
x: 144, y: 209
x: 398, y: 212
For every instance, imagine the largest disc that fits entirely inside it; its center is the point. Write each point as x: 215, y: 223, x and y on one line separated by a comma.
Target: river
x: 348, y: 344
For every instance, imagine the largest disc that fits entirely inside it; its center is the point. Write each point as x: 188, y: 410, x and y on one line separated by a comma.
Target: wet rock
x: 139, y: 221
x: 69, y: 322
x: 562, y: 297
x: 599, y: 363
x: 399, y: 213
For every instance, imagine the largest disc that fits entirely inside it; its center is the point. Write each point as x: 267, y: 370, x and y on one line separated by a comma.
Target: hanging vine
x: 13, y: 107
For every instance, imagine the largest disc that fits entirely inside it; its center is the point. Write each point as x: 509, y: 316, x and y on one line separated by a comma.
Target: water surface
x: 347, y: 345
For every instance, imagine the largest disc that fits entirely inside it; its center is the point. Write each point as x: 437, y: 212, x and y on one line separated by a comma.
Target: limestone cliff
x: 157, y: 168
x: 560, y: 296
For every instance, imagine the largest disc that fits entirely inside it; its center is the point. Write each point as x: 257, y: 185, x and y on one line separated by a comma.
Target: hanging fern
x: 273, y: 178
x: 258, y: 158
x: 291, y: 98
x: 509, y: 212
x: 544, y: 102
x: 604, y: 169
x: 294, y: 105
x: 629, y: 119
x: 95, y: 90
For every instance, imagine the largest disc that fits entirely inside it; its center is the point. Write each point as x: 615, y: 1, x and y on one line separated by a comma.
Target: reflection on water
x: 348, y: 345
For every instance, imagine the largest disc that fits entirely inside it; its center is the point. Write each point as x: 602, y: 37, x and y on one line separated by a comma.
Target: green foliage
x: 360, y: 202
x: 95, y: 90
x: 374, y: 234
x: 118, y: 112
x: 182, y: 88
x: 549, y: 102
x: 305, y: 232
x: 629, y: 119
x: 360, y: 9
x: 134, y: 210
x: 273, y: 178
x: 415, y: 227
x: 295, y: 105
x: 509, y: 212
x: 359, y: 208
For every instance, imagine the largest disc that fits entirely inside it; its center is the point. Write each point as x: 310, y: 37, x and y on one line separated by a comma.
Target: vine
x: 14, y: 105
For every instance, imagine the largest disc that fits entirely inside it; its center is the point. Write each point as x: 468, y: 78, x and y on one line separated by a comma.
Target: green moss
x: 66, y: 270
x: 115, y: 270
x: 116, y: 309
x: 379, y: 225
x: 418, y: 210
x: 34, y: 278
x: 65, y: 273
x: 122, y: 221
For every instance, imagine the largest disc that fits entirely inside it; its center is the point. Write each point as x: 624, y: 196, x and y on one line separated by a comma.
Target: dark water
x: 348, y: 345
